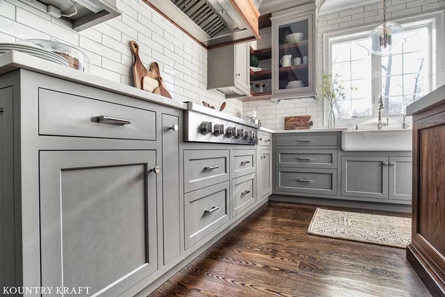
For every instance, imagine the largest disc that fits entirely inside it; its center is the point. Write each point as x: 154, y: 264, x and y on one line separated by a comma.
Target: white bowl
x: 294, y: 37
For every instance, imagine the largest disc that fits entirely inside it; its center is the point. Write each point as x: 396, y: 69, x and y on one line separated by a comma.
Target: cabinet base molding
x: 342, y: 203
x: 432, y: 282
x: 170, y: 273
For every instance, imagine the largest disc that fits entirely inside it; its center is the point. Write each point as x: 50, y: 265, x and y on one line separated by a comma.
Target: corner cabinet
x: 228, y: 70
x: 293, y: 52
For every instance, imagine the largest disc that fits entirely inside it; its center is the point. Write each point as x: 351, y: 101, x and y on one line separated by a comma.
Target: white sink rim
x: 377, y: 140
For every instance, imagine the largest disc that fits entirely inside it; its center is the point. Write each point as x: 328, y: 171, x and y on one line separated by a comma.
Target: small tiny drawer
x: 243, y: 194
x: 305, y: 139
x: 243, y: 162
x: 314, y: 181
x: 264, y: 139
x: 62, y: 114
x: 205, y: 211
x: 203, y: 168
x: 307, y: 158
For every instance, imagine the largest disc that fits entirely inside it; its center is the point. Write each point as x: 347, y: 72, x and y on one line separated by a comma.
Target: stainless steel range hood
x: 212, y: 22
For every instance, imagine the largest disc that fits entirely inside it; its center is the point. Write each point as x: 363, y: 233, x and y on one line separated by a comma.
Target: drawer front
x: 243, y: 194
x: 316, y: 181
x: 307, y: 158
x: 203, y: 168
x: 205, y: 211
x: 62, y: 114
x: 243, y: 162
x: 303, y: 139
x: 264, y: 139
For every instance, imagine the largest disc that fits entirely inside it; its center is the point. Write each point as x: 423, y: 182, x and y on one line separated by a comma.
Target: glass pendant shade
x: 385, y: 38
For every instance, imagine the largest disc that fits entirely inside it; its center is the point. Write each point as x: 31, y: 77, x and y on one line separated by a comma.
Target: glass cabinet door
x: 293, y: 65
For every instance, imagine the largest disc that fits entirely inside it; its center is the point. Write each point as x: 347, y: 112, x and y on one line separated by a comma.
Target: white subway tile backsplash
x: 6, y: 38
x: 104, y: 73
x: 116, y: 67
x: 7, y: 10
x: 45, y: 26
x: 95, y: 47
x: 10, y: 27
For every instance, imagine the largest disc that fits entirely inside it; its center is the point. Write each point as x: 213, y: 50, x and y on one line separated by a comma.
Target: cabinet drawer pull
x: 392, y: 163
x: 112, y: 120
x: 385, y: 163
x: 245, y: 192
x: 304, y: 159
x: 267, y: 140
x: 214, y: 208
x: 212, y: 167
x: 304, y: 180
x: 245, y: 162
x: 175, y: 128
x: 304, y: 140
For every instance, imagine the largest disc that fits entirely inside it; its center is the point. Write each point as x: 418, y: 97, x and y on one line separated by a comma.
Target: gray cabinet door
x: 243, y: 162
x: 170, y: 188
x: 306, y: 158
x: 243, y: 194
x: 98, y: 219
x: 265, y: 173
x: 306, y: 180
x: 400, y: 178
x: 242, y: 78
x: 364, y: 176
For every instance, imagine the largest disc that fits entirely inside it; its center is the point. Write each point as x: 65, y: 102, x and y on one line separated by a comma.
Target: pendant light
x: 385, y: 37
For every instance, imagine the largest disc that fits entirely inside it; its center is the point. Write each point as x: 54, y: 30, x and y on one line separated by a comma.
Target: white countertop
x: 433, y: 98
x: 315, y: 130
x: 15, y: 60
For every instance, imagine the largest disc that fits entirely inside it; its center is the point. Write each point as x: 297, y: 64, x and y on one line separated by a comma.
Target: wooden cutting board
x: 139, y: 70
x: 156, y: 74
x: 298, y: 122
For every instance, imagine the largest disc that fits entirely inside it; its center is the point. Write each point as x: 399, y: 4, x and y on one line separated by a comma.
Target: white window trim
x: 437, y: 63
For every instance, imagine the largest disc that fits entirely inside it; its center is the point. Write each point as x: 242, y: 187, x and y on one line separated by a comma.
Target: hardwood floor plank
x: 271, y: 254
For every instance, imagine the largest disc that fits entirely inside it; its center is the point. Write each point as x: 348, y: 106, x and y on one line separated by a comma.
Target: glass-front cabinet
x: 293, y: 55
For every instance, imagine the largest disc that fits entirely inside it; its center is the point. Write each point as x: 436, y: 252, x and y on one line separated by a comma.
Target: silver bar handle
x: 245, y: 192
x: 304, y: 180
x: 245, y: 162
x: 212, y: 167
x: 304, y: 159
x: 112, y: 120
x: 304, y: 140
x: 213, y: 209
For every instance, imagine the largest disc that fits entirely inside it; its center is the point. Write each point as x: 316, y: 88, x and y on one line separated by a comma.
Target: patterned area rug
x: 362, y: 227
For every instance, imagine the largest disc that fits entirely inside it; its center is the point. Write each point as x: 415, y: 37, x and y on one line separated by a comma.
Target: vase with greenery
x: 331, y: 91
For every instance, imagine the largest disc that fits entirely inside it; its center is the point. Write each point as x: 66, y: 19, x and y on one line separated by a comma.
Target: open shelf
x: 260, y: 75
x: 262, y: 54
x: 260, y: 94
x: 293, y: 45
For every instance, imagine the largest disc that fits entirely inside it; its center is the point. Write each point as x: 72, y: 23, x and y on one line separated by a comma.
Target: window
x: 401, y: 78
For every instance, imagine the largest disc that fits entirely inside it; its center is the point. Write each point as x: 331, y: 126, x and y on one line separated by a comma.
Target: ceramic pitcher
x: 286, y: 60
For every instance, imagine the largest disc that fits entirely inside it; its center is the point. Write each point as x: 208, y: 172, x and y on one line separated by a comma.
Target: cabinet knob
x: 238, y: 74
x: 392, y: 163
x: 175, y: 128
x: 156, y: 170
x: 385, y: 163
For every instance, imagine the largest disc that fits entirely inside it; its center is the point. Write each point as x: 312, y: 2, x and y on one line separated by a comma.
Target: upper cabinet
x: 227, y: 70
x: 293, y: 52
x: 212, y: 22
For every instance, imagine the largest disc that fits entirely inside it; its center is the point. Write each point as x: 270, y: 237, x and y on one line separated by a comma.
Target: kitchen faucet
x: 380, y: 123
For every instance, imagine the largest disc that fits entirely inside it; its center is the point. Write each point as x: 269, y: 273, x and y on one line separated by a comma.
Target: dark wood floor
x: 270, y: 254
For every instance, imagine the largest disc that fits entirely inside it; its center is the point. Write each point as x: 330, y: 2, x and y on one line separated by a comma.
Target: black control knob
x: 218, y: 129
x: 239, y: 133
x: 231, y: 132
x: 251, y: 135
x: 246, y: 134
x: 206, y: 127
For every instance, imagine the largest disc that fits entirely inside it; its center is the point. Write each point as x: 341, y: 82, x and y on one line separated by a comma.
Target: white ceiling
x: 325, y: 6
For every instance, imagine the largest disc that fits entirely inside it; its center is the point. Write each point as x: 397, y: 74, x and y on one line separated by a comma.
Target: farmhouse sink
x: 377, y: 140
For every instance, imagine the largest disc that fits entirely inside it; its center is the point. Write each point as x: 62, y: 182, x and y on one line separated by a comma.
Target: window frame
x: 435, y: 23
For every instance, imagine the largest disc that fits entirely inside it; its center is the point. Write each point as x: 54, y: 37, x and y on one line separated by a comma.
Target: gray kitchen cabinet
x: 204, y: 168
x: 307, y: 180
x: 264, y: 173
x: 306, y: 158
x: 243, y: 162
x: 171, y: 200
x: 400, y: 178
x: 243, y: 193
x: 365, y: 176
x: 228, y: 70
x: 98, y: 219
x: 205, y: 211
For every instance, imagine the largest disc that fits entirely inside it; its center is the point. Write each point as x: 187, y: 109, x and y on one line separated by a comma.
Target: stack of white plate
x: 33, y: 51
x: 295, y: 84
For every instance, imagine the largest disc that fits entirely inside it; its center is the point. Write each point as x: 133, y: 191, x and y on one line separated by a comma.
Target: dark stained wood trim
x: 174, y: 23
x: 232, y: 42
x: 264, y: 21
x: 425, y: 273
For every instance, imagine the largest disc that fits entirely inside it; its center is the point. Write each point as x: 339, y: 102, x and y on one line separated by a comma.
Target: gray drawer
x: 264, y: 139
x: 62, y: 114
x: 243, y: 162
x: 205, y: 211
x: 316, y: 181
x: 307, y: 158
x: 203, y: 168
x: 304, y: 139
x: 243, y: 194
